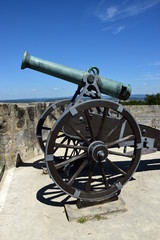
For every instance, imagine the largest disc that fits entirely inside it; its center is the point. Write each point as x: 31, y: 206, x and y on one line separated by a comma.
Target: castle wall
x: 18, y: 127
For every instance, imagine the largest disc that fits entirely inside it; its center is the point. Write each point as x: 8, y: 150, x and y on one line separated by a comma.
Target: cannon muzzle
x: 106, y: 86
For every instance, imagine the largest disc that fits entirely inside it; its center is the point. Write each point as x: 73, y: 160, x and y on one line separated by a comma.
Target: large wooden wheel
x: 93, y: 150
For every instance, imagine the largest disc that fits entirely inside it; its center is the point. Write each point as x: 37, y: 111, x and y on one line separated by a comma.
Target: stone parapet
x: 18, y: 124
x: 146, y: 114
x: 17, y: 132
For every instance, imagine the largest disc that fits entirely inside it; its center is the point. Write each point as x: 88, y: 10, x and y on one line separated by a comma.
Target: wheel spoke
x: 79, y: 170
x: 66, y: 151
x: 89, y: 122
x: 76, y: 144
x: 103, y: 175
x: 79, y: 134
x: 99, y: 111
x: 53, y: 116
x: 46, y: 128
x: 115, y: 128
x: 62, y: 164
x: 62, y: 108
x: 115, y: 166
x: 61, y: 135
x: 63, y: 140
x: 116, y: 143
x: 123, y: 128
x: 121, y: 154
x: 88, y: 185
x: 75, y: 151
x: 102, y: 122
x: 60, y: 145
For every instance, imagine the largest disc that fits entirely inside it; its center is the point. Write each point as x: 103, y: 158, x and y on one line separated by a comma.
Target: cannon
x: 94, y: 147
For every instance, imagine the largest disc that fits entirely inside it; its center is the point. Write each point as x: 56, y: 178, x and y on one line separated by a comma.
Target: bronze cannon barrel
x: 106, y: 86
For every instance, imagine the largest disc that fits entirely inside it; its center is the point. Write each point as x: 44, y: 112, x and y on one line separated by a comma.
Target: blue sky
x: 121, y: 38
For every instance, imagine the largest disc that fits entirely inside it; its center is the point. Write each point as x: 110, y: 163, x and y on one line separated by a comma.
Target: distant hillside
x: 29, y: 100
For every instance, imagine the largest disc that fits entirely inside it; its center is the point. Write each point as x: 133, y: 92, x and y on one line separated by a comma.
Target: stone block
x: 95, y: 212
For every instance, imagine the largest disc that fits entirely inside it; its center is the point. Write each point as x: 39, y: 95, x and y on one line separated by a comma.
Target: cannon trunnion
x: 93, y: 149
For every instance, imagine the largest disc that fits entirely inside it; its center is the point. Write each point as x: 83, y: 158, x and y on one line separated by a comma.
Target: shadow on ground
x: 39, y: 164
x: 144, y: 165
x: 52, y: 195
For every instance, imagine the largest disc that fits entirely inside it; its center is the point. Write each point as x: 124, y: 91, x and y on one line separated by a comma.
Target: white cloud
x: 107, y: 28
x: 115, y: 30
x: 55, y: 89
x: 152, y: 76
x: 112, y: 12
x: 119, y: 29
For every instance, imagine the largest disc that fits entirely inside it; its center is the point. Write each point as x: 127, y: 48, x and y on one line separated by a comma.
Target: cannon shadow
x: 144, y: 165
x: 38, y: 164
x: 53, y: 196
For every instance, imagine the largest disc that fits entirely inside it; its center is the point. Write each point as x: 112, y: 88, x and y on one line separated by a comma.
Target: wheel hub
x: 97, y: 151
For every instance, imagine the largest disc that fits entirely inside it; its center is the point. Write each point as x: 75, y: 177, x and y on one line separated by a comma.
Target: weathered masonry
x: 17, y: 132
x: 18, y: 124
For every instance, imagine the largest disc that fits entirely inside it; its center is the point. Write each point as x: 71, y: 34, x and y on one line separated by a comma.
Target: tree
x: 153, y: 99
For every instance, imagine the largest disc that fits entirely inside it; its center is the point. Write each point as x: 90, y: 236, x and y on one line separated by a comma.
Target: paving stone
x: 96, y: 212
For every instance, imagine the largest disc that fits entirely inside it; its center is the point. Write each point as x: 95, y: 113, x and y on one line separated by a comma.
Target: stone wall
x: 18, y: 126
x: 146, y: 114
x: 17, y: 132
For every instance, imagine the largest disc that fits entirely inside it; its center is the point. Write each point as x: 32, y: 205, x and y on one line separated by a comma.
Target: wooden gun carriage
x: 93, y: 149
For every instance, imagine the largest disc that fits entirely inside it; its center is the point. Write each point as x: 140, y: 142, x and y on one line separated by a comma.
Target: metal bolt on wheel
x: 93, y: 150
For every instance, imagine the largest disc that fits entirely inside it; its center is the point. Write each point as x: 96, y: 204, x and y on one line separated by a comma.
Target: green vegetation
x: 85, y: 219
x: 132, y: 102
x: 153, y: 99
x: 98, y: 217
x: 82, y: 220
